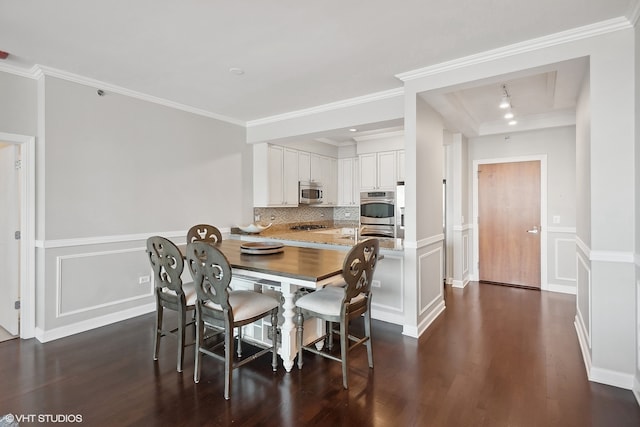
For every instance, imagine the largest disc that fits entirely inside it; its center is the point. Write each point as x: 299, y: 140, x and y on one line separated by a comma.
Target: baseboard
x: 600, y: 375
x: 584, y: 347
x: 636, y: 389
x: 387, y: 317
x: 461, y: 284
x: 563, y: 289
x: 416, y: 331
x: 87, y: 325
x: 612, y: 378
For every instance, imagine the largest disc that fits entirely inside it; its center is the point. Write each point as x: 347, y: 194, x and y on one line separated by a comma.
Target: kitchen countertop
x: 340, y: 236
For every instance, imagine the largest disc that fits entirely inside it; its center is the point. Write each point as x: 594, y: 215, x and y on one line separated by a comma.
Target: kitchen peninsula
x: 388, y: 281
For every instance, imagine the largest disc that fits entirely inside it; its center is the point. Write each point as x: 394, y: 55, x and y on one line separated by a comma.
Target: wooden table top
x: 310, y: 264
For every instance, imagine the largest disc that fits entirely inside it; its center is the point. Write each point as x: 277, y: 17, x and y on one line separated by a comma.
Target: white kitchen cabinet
x: 275, y: 179
x: 316, y: 168
x: 330, y: 181
x: 378, y: 171
x: 400, y: 166
x: 304, y: 166
x: 348, y: 182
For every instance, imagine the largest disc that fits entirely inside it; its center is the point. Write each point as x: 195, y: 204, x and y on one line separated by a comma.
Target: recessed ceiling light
x: 513, y: 122
x: 509, y: 115
x: 353, y: 130
x: 236, y: 71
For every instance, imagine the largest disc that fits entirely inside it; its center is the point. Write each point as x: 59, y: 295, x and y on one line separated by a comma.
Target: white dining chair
x: 220, y: 309
x: 340, y: 304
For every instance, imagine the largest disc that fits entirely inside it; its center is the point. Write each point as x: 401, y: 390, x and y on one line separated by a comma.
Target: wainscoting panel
x: 92, y: 280
x: 430, y: 275
x: 388, y: 289
x: 583, y: 297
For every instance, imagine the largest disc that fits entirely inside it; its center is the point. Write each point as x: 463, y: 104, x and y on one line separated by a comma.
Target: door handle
x: 534, y: 230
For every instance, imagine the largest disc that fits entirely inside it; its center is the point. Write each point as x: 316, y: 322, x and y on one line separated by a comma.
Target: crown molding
x: 634, y: 12
x: 19, y: 71
x: 48, y: 71
x: 599, y: 28
x: 37, y: 71
x: 379, y: 136
x: 377, y: 96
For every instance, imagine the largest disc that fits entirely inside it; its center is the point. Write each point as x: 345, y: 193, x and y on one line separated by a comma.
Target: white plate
x: 253, y: 228
x: 261, y: 248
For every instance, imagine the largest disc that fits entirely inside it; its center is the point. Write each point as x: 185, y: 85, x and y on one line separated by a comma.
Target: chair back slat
x: 204, y: 233
x: 358, y: 268
x: 211, y: 273
x: 167, y: 263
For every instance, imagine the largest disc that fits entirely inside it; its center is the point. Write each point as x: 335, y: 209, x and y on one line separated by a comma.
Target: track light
x: 509, y: 115
x: 505, y: 101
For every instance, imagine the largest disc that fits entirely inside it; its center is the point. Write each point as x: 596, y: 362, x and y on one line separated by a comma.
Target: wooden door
x: 509, y: 223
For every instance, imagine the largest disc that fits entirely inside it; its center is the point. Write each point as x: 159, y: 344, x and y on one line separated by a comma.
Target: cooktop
x: 307, y: 227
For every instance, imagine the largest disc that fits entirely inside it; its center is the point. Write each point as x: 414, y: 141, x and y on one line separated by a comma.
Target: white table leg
x: 288, y: 348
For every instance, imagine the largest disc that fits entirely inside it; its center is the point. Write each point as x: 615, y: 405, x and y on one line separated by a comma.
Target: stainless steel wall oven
x: 377, y: 213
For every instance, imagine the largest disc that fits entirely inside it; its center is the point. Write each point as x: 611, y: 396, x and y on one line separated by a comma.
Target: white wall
x: 424, y: 238
x: 116, y: 170
x: 612, y: 178
x: 583, y: 217
x: 558, y: 144
x: 18, y: 104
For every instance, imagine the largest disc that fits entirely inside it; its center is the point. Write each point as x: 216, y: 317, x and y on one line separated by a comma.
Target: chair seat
x: 189, y: 290
x: 327, y: 301
x: 247, y: 304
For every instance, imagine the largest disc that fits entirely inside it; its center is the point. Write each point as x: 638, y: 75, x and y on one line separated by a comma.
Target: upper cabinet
x: 304, y: 166
x: 277, y: 171
x: 275, y: 176
x: 348, y: 182
x: 400, y: 166
x: 378, y: 171
x: 322, y: 169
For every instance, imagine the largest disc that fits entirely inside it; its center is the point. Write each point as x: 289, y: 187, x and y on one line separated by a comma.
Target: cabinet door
x: 290, y: 177
x: 345, y: 181
x: 316, y: 168
x: 330, y: 181
x: 368, y: 171
x: 348, y: 187
x: 400, y: 165
x: 387, y: 170
x: 355, y: 188
x: 275, y: 167
x: 304, y: 166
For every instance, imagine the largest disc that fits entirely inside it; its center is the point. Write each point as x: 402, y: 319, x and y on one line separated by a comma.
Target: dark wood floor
x: 498, y: 356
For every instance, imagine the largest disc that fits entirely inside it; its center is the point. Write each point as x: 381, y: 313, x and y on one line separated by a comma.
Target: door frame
x: 27, y: 230
x: 542, y: 158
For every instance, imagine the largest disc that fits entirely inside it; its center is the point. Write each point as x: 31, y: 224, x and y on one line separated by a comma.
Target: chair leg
x: 158, y: 334
x: 274, y: 334
x: 367, y: 333
x: 199, y: 343
x: 300, y: 332
x: 239, y: 341
x: 182, y: 320
x: 329, y: 326
x: 228, y: 361
x: 344, y: 350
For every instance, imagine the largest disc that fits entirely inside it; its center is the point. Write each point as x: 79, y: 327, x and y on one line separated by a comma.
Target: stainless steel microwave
x: 310, y: 193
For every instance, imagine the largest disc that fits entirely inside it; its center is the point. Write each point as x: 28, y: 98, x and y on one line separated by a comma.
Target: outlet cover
x: 375, y: 283
x: 144, y: 279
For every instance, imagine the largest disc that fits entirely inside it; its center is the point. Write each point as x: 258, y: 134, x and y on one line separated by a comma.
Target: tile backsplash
x: 305, y: 214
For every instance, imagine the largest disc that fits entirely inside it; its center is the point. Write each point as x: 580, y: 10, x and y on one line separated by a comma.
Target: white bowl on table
x: 253, y: 228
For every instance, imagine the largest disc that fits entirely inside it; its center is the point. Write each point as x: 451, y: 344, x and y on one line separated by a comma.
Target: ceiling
x: 296, y: 55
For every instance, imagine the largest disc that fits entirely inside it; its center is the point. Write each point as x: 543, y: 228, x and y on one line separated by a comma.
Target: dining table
x: 293, y: 268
